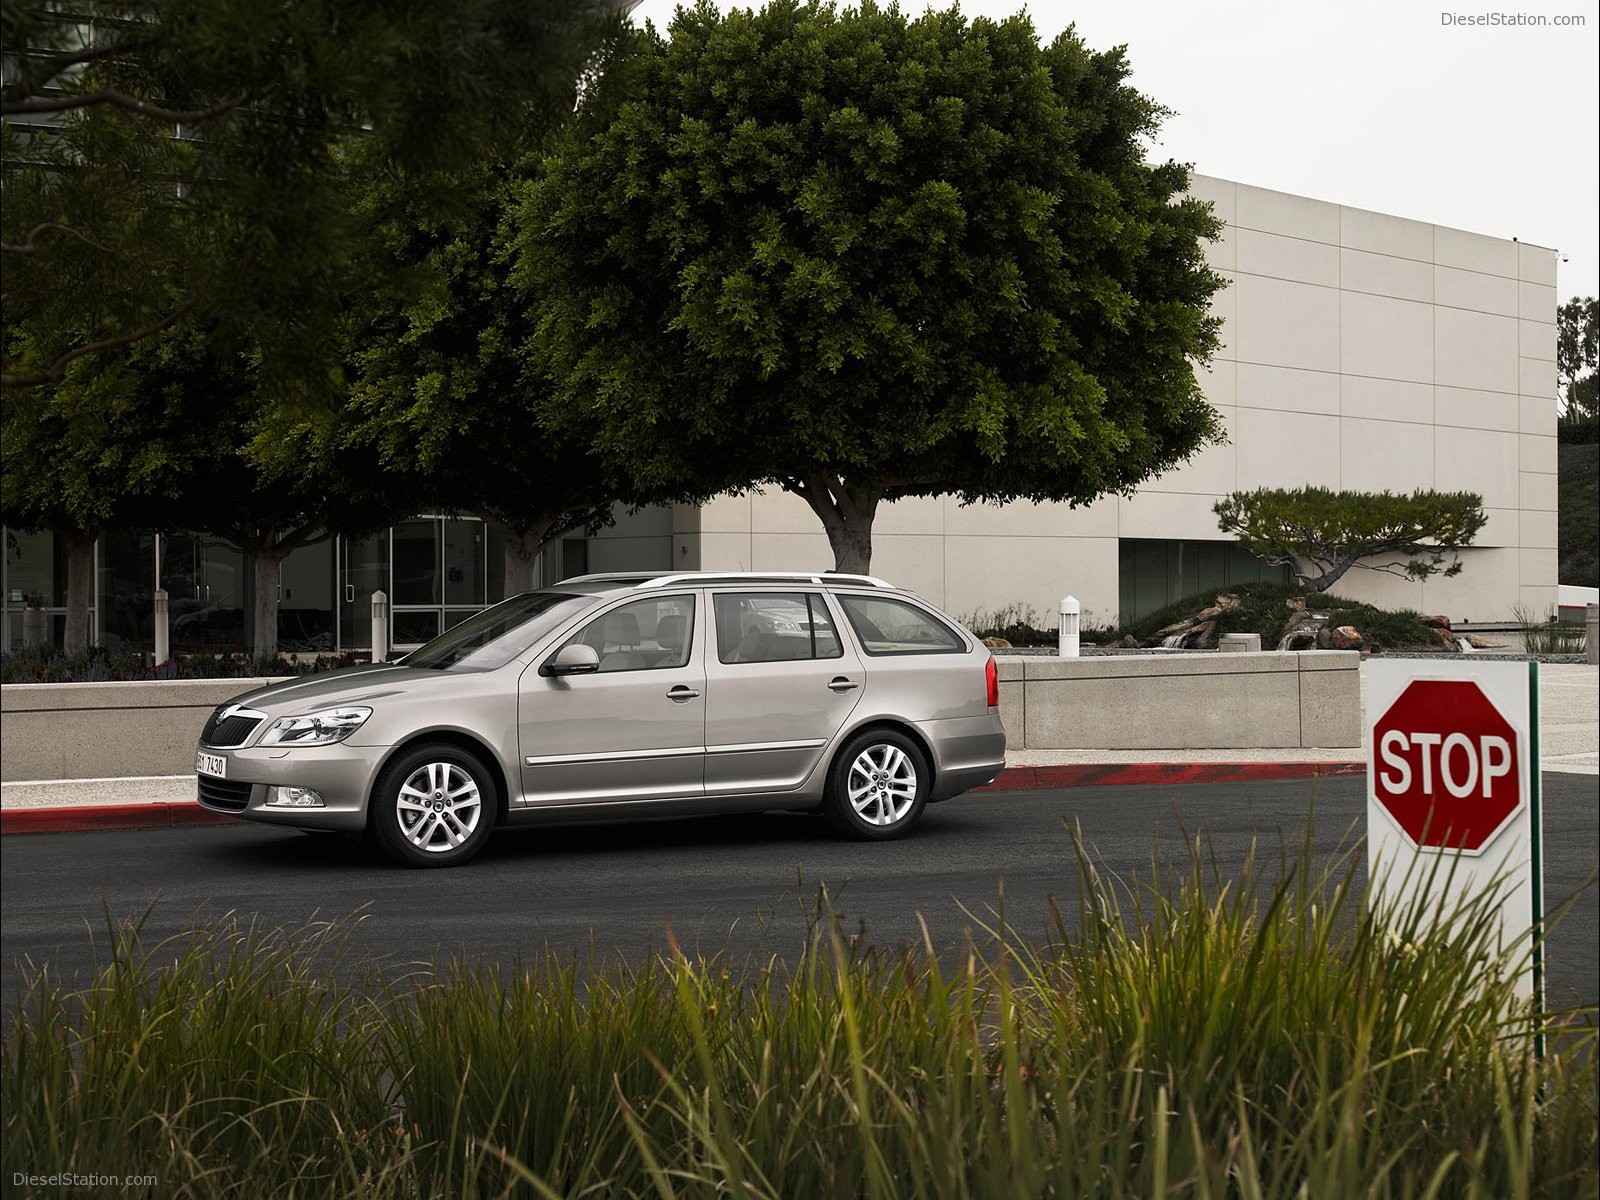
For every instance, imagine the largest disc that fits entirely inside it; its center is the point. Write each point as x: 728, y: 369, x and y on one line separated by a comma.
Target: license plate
x: 211, y: 764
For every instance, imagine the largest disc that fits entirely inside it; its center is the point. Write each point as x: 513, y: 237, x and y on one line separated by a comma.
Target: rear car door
x: 780, y: 683
x: 635, y: 729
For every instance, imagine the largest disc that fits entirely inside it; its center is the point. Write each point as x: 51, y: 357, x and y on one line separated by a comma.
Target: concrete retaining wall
x: 107, y: 730
x: 1265, y: 701
x: 1262, y: 701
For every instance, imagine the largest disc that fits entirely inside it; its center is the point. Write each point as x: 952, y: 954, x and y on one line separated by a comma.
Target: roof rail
x: 818, y: 577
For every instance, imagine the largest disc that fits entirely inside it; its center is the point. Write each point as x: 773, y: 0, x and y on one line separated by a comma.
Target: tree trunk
x: 266, y: 555
x: 522, y: 549
x: 80, y: 590
x: 846, y: 514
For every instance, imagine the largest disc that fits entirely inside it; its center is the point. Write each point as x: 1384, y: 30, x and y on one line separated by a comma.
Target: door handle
x: 682, y: 693
x: 841, y: 684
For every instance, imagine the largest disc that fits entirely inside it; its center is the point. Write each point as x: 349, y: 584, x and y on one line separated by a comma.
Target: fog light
x: 293, y: 797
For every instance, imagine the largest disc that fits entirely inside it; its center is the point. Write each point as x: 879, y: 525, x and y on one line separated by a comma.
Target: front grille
x: 220, y: 793
x: 230, y: 727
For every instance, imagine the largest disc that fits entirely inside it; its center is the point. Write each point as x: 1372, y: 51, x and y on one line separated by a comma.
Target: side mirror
x: 572, y: 659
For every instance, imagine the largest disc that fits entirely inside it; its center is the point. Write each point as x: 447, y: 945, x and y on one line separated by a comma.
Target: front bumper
x: 342, y: 774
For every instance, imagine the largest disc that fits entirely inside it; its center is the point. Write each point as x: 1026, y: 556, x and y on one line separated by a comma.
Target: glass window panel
x: 366, y: 570
x: 35, y: 570
x: 306, y: 599
x: 463, y: 561
x: 643, y: 635
x: 495, y: 552
x: 413, y: 628
x: 127, y: 582
x: 889, y: 626
x: 454, y: 616
x: 416, y: 563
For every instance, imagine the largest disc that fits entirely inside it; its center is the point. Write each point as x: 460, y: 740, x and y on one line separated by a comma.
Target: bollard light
x: 163, y: 644
x: 1071, y: 610
x: 380, y: 627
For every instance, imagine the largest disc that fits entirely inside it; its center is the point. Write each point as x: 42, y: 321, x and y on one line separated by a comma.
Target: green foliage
x: 1320, y: 534
x: 1550, y: 635
x: 863, y: 256
x: 1183, y: 1034
x: 1264, y: 609
x: 178, y: 158
x: 1578, y: 514
x: 1019, y: 624
x: 1578, y: 368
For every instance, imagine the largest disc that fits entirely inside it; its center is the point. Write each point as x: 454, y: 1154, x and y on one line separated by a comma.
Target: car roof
x: 618, y: 581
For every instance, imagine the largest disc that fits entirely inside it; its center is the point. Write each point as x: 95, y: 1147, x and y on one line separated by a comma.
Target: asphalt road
x: 744, y: 883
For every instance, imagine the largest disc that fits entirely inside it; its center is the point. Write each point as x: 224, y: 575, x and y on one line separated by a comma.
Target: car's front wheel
x: 433, y: 806
x: 878, y: 786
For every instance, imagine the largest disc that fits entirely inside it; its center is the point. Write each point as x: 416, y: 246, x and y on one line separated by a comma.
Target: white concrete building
x: 1360, y: 351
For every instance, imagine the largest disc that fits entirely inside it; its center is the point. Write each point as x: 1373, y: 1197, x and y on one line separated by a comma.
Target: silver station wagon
x: 616, y: 696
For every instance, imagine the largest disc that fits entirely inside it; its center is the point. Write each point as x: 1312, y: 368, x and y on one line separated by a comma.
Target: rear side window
x: 888, y: 626
x: 757, y: 627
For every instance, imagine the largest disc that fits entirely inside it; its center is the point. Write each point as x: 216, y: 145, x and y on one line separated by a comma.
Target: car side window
x: 642, y: 635
x: 885, y: 625
x: 757, y: 627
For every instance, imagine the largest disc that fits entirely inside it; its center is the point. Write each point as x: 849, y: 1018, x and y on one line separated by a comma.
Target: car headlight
x: 316, y: 729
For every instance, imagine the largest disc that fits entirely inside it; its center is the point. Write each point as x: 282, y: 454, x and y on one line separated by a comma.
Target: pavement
x: 1569, y: 742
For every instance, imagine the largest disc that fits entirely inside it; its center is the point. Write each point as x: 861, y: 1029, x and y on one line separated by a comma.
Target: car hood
x: 353, y: 685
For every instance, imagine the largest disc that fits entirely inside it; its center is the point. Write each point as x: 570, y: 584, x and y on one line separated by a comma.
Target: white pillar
x: 33, y: 627
x: 163, y: 644
x: 380, y: 627
x: 1070, y: 613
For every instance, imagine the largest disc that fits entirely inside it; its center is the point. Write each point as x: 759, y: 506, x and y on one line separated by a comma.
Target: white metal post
x: 1070, y: 612
x: 33, y: 626
x: 380, y: 627
x: 163, y: 644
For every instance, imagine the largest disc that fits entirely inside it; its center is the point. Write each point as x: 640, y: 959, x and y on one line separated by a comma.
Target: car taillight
x: 991, y: 678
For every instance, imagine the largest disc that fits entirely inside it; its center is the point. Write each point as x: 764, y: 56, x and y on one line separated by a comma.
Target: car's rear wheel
x: 877, y: 786
x: 434, y: 806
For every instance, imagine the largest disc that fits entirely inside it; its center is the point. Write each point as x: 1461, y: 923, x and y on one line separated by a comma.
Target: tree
x: 174, y: 159
x: 861, y: 257
x: 1577, y: 377
x: 438, y: 391
x: 1321, y: 534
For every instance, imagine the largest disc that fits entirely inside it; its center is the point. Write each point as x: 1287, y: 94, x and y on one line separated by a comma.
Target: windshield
x: 497, y: 635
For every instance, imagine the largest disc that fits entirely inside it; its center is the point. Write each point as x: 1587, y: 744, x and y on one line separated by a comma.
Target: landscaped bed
x: 1188, y: 1036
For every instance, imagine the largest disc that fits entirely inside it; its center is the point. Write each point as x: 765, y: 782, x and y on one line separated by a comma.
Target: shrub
x: 1264, y: 609
x: 100, y: 664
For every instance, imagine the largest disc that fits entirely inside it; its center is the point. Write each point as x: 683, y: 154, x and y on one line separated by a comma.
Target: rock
x: 1295, y: 604
x: 1483, y: 643
x: 1227, y: 600
x: 996, y: 643
x: 1207, y: 614
x: 1300, y: 639
x: 1438, y: 622
x: 1303, y: 631
x: 1449, y: 640
x: 1347, y: 637
x: 1129, y: 643
x: 1204, y: 636
x: 1180, y: 627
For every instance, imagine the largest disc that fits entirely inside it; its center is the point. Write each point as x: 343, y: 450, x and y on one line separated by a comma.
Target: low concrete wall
x: 1201, y: 701
x: 1268, y: 701
x: 106, y: 730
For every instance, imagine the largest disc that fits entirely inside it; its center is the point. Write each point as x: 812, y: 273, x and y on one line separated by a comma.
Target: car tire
x: 433, y: 806
x: 877, y: 786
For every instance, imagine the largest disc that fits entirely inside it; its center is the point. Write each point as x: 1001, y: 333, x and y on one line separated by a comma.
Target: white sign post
x: 1453, y: 806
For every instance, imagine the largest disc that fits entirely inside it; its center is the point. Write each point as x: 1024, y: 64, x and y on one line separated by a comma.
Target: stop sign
x: 1446, y: 762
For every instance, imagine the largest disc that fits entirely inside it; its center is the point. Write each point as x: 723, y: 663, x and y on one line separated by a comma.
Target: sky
x: 1489, y: 128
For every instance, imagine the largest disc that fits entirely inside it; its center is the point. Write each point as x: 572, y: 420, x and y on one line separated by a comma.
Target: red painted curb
x: 1124, y: 774
x: 72, y: 818
x: 77, y: 817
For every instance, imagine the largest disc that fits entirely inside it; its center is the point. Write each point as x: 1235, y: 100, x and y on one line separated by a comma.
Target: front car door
x: 780, y: 683
x: 635, y: 729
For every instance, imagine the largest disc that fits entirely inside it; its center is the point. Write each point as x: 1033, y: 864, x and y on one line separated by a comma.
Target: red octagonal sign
x: 1447, y: 765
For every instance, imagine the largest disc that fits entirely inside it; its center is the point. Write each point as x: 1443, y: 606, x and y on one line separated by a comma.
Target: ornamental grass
x: 1190, y: 1033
